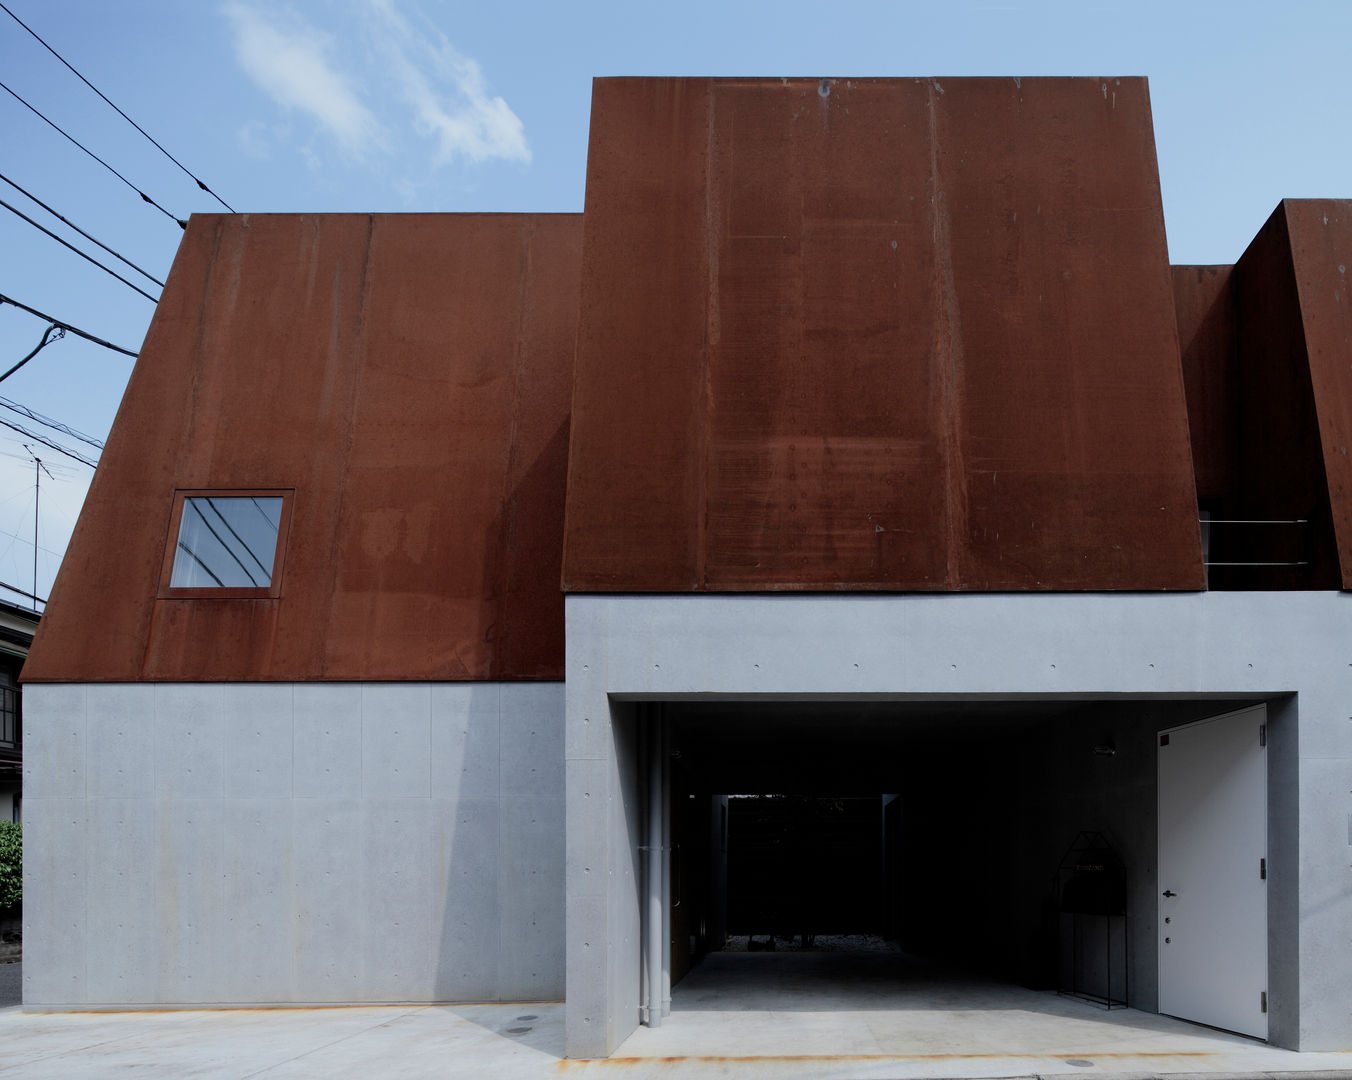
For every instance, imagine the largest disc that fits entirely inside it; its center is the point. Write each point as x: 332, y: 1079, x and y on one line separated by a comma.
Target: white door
x: 1212, y: 872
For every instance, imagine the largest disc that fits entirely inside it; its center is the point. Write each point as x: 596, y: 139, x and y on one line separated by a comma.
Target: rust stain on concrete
x: 572, y: 1065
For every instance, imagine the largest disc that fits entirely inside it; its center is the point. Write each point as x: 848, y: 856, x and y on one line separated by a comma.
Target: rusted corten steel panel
x: 1278, y: 461
x: 1204, y: 302
x: 408, y: 377
x: 1320, y: 233
x: 877, y: 335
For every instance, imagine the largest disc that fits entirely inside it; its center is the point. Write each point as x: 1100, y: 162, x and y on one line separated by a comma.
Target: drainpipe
x: 645, y: 865
x: 664, y: 860
x: 655, y: 874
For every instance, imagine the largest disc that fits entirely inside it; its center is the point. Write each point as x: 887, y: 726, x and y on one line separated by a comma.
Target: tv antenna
x: 38, y: 469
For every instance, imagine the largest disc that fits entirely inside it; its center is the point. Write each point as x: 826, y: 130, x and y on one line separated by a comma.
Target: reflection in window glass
x: 226, y: 542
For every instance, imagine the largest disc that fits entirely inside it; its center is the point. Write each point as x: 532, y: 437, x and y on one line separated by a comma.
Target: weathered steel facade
x: 407, y: 377
x: 1264, y: 350
x: 877, y: 335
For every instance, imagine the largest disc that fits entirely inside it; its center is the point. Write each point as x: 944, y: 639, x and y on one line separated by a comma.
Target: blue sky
x: 331, y: 105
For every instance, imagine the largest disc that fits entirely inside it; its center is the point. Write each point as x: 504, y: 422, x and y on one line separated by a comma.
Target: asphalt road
x: 11, y: 984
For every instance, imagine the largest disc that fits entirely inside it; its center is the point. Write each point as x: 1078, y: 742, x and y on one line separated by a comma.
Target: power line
x: 25, y: 540
x: 76, y: 455
x: 47, y: 339
x: 33, y: 198
x: 119, y: 112
x: 67, y: 326
x: 146, y: 198
x: 82, y: 254
x: 47, y: 421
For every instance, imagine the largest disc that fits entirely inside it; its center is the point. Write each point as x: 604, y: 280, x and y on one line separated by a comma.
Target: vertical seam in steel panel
x: 359, y: 360
x: 948, y: 361
x: 506, y: 506
x: 704, y: 419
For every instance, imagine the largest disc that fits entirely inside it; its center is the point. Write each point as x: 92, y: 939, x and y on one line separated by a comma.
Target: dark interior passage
x: 939, y: 826
x: 803, y: 865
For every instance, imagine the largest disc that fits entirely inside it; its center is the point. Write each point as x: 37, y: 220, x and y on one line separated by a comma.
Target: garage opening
x: 905, y: 844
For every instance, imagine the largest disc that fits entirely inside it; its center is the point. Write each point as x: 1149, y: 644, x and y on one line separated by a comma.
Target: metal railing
x: 1209, y: 523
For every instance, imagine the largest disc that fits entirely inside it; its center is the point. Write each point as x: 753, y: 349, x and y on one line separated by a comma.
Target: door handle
x: 1168, y: 892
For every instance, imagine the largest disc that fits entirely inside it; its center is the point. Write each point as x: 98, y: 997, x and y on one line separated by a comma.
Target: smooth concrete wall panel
x: 191, y: 911
x: 465, y: 740
x: 397, y: 927
x: 258, y: 751
x: 328, y: 915
x: 588, y: 851
x: 189, y: 741
x: 122, y: 941
x: 466, y: 900
x: 531, y: 955
x: 279, y: 843
x: 601, y: 930
x: 55, y: 884
x: 121, y: 738
x: 1326, y: 885
x: 54, y: 755
x: 396, y: 729
x: 1219, y: 648
x: 256, y: 875
x: 536, y: 748
x: 326, y: 731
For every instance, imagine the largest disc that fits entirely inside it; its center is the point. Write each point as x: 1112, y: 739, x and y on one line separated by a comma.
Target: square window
x: 226, y: 544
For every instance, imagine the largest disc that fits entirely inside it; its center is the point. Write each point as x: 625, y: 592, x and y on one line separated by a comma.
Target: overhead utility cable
x: 47, y: 339
x: 47, y: 421
x: 146, y: 198
x: 67, y: 326
x: 25, y: 540
x: 47, y: 442
x: 119, y: 112
x: 33, y: 198
x: 83, y: 255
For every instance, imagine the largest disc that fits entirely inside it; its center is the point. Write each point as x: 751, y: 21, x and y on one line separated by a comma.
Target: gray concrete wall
x: 1290, y: 649
x: 270, y: 843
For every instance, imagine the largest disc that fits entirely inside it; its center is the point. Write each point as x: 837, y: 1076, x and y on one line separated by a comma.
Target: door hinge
x: 1262, y: 734
x: 1262, y: 1001
x: 1262, y: 869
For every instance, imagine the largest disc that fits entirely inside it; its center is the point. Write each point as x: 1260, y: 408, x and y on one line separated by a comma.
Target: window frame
x: 216, y: 592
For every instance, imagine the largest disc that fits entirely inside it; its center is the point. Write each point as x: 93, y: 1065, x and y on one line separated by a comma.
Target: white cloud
x: 289, y: 60
x: 448, y: 93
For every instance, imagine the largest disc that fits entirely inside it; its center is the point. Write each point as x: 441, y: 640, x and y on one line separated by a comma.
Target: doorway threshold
x: 871, y: 1014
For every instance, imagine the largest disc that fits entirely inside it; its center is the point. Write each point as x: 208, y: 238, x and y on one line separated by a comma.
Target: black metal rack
x: 1091, y: 893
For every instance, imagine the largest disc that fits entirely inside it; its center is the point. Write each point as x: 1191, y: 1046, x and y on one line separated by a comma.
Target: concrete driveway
x: 1040, y: 1036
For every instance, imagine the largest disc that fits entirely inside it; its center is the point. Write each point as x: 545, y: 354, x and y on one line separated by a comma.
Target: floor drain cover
x: 517, y: 1031
x: 531, y: 1016
x: 1080, y: 1062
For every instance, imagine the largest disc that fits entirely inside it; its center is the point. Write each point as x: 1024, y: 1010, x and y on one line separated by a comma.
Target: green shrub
x: 11, y: 864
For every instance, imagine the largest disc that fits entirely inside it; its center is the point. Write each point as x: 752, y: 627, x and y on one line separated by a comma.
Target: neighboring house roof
x: 408, y: 377
x: 17, y: 625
